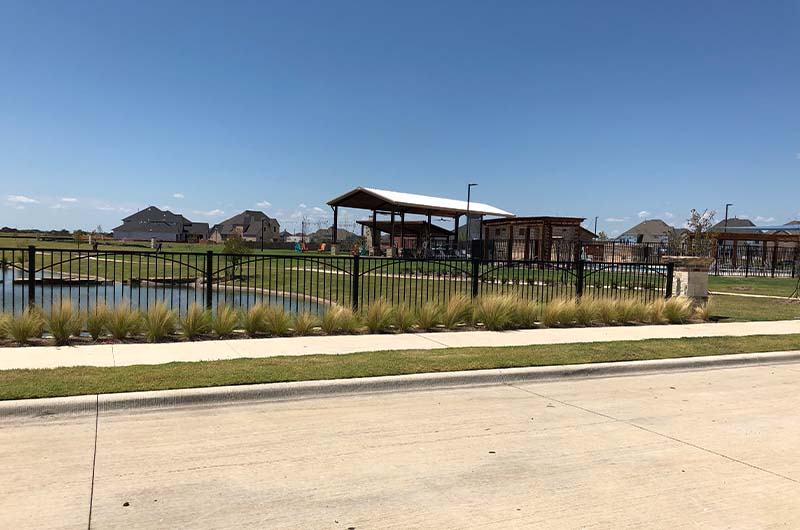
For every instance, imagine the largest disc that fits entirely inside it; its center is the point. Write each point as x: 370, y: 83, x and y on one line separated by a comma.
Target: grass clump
x: 631, y: 311
x: 63, y: 322
x: 587, y: 311
x: 123, y: 322
x: 559, y: 312
x: 25, y: 326
x: 159, y: 322
x: 527, y: 313
x: 254, y: 320
x: 678, y: 309
x: 607, y: 311
x: 224, y: 321
x: 196, y: 321
x: 655, y: 312
x: 703, y: 312
x: 96, y: 321
x: 429, y: 315
x: 403, y: 318
x: 277, y: 321
x: 495, y: 312
x: 4, y: 319
x: 339, y: 319
x: 378, y: 316
x: 304, y: 323
x: 458, y: 311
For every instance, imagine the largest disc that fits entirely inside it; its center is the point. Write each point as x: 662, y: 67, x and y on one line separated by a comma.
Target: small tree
x: 699, y: 226
x: 236, y: 247
x: 78, y: 235
x: 602, y: 235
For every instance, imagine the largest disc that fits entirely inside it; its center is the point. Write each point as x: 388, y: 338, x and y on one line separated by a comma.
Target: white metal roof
x: 438, y: 204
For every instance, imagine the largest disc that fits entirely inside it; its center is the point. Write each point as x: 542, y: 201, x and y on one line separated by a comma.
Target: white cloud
x: 302, y: 205
x: 643, y: 214
x: 318, y: 209
x: 57, y: 206
x: 669, y: 215
x: 178, y: 195
x: 616, y: 219
x: 19, y: 207
x: 216, y: 212
x: 69, y: 199
x: 106, y: 208
x: 21, y: 199
x: 762, y: 219
x: 264, y: 204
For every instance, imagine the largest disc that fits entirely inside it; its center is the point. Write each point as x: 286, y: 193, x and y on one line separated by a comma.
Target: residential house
x: 649, y: 231
x: 732, y: 225
x: 251, y: 225
x: 160, y: 225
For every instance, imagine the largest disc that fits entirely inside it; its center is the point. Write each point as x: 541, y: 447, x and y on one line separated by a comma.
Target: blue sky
x: 622, y: 110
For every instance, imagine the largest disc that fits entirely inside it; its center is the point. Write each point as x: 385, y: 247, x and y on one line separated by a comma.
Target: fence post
x: 747, y: 261
x: 476, y: 270
x: 354, y: 276
x: 31, y: 275
x: 209, y: 278
x: 670, y: 274
x: 579, y: 268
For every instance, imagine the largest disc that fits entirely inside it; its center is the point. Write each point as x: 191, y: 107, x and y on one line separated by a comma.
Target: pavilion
x: 398, y: 204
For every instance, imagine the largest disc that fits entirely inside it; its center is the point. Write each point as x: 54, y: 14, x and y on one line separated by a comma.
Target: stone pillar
x: 334, y: 249
x: 690, y: 277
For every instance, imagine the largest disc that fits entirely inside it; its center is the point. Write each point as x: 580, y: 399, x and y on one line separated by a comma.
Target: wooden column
x: 455, y: 232
x: 391, y: 237
x: 335, y: 225
x: 376, y: 239
x: 402, y: 231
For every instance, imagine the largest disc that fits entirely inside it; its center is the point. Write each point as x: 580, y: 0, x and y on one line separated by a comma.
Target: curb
x: 165, y: 399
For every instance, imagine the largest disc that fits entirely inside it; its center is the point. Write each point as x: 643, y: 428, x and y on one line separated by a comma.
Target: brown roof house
x: 252, y: 225
x: 160, y: 225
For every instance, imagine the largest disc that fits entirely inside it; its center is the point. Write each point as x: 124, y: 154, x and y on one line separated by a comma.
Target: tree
x: 699, y: 225
x: 78, y: 235
x: 236, y: 248
x: 602, y: 236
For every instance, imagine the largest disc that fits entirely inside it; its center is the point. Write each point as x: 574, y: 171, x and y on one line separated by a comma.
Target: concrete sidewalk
x: 132, y: 354
x: 704, y: 449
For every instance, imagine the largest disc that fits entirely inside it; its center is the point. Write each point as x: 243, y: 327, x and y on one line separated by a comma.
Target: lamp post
x: 469, y: 220
x: 595, y: 224
x: 728, y: 205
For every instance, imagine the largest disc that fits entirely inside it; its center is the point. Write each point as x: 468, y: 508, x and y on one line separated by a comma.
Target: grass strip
x: 19, y: 384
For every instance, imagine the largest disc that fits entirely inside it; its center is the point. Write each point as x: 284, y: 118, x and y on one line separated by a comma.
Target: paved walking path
x: 748, y: 295
x: 131, y: 354
x: 673, y: 450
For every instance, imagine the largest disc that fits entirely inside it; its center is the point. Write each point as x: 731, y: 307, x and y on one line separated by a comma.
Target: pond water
x: 14, y: 296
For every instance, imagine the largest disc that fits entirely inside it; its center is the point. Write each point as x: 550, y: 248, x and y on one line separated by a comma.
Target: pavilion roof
x: 396, y: 201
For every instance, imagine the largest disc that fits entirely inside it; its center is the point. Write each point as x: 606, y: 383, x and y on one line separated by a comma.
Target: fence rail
x: 302, y: 282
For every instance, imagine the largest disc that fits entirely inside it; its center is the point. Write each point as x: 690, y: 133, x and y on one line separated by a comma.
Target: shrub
x: 404, y: 318
x: 254, y: 320
x: 378, y: 316
x: 655, y: 311
x: 339, y: 319
x: 607, y: 311
x: 25, y: 326
x: 678, y: 309
x: 631, y: 310
x: 196, y: 322
x: 123, y: 321
x: 4, y: 321
x: 96, y: 321
x: 64, y: 322
x: 159, y: 321
x: 587, y: 311
x: 527, y: 313
x: 305, y: 322
x: 703, y: 312
x: 277, y: 321
x: 225, y: 320
x: 559, y: 312
x: 457, y: 311
x: 495, y: 312
x: 429, y: 315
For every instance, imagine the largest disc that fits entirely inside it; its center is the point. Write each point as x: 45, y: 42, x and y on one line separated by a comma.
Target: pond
x: 51, y: 289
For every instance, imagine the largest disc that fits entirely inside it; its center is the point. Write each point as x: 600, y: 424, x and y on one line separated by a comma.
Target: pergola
x: 397, y: 204
x: 417, y: 230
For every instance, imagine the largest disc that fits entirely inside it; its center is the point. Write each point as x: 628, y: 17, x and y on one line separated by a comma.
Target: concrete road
x: 713, y: 449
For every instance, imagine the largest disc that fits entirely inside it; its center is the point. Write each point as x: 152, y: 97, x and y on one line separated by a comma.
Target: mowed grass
x: 764, y: 286
x: 18, y: 384
x: 725, y: 308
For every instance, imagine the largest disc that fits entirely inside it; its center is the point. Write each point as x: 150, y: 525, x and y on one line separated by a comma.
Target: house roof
x: 650, y: 227
x: 554, y: 220
x: 733, y: 224
x: 153, y: 219
x: 249, y: 220
x: 386, y: 200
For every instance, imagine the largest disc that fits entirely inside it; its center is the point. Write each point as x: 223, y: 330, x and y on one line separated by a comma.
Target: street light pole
x: 725, y: 229
x: 469, y: 220
x: 595, y: 224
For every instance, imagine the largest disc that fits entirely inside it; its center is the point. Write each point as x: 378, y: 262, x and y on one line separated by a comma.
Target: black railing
x: 302, y: 281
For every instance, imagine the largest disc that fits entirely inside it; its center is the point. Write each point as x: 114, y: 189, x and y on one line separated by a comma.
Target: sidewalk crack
x: 94, y: 457
x: 657, y: 433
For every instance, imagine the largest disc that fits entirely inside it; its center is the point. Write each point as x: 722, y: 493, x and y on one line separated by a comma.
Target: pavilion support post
x: 392, y: 245
x: 455, y: 232
x: 428, y: 232
x: 402, y: 232
x: 335, y: 230
x: 527, y: 255
x: 376, y: 239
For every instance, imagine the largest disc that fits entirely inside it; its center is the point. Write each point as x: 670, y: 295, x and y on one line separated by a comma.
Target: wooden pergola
x: 541, y: 230
x: 398, y: 204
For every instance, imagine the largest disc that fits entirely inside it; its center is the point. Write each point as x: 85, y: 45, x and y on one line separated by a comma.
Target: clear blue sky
x: 613, y: 109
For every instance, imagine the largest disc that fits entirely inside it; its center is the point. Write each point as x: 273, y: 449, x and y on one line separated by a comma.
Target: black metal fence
x: 302, y: 281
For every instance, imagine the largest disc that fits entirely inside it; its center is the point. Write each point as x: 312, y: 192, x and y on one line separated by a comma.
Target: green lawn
x: 18, y: 384
x: 767, y: 286
x: 741, y: 308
